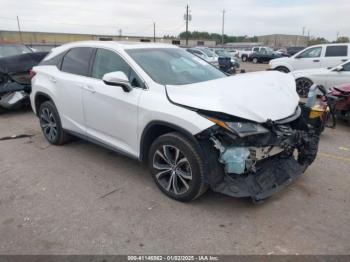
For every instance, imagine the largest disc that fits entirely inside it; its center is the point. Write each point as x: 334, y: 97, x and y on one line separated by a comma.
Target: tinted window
x: 107, y: 61
x: 77, y: 60
x: 312, y: 52
x: 196, y: 52
x: 346, y: 67
x: 56, y: 60
x: 341, y: 50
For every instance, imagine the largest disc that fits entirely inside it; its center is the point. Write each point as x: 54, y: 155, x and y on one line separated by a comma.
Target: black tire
x: 282, y: 69
x: 303, y: 86
x: 255, y: 60
x: 244, y: 58
x: 186, y: 165
x: 50, y: 123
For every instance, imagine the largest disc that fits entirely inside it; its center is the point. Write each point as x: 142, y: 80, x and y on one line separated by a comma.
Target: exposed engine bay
x: 258, y: 164
x: 15, y: 78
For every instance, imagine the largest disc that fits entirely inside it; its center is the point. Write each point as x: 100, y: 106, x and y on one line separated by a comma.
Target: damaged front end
x: 248, y: 159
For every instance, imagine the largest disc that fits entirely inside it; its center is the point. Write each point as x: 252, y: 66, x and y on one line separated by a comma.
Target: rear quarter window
x: 341, y: 50
x: 55, y: 61
x: 77, y: 61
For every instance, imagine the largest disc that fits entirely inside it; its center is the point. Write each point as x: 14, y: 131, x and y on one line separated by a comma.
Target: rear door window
x: 340, y: 50
x: 346, y: 67
x: 77, y: 61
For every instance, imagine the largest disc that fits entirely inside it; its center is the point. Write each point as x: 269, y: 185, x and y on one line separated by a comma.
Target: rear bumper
x: 271, y: 177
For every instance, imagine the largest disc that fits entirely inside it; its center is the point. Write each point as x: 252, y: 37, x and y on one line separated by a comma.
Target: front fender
x: 275, y: 64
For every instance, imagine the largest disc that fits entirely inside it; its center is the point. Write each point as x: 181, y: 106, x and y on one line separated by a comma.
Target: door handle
x: 90, y: 88
x: 316, y: 60
x: 344, y: 60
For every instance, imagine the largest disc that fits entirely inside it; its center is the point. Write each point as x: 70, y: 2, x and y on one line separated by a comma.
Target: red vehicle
x: 341, y: 104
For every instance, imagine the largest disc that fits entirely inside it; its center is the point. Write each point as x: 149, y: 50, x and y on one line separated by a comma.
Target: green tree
x: 217, y: 37
x: 317, y: 41
x: 343, y: 39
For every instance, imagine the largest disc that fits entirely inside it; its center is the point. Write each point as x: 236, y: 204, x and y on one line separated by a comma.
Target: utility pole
x: 187, y: 25
x: 223, y: 27
x: 120, y: 34
x: 154, y: 32
x: 19, y: 31
x: 337, y: 36
x: 303, y: 30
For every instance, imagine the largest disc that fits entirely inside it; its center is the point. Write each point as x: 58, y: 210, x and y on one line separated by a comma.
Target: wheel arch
x: 275, y: 65
x: 40, y: 98
x: 157, y: 128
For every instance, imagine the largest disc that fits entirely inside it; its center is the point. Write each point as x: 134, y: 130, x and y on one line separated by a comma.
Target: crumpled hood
x: 253, y: 96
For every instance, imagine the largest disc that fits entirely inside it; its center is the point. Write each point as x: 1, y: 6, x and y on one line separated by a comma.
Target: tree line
x: 217, y: 37
x: 232, y: 39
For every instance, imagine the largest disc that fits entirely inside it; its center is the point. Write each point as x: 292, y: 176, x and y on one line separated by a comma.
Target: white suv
x: 194, y: 126
x: 317, y: 56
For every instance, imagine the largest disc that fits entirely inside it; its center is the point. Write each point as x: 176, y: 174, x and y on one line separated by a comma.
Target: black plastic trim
x: 102, y: 144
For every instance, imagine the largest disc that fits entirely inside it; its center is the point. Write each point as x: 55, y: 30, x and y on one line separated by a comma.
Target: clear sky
x: 135, y: 17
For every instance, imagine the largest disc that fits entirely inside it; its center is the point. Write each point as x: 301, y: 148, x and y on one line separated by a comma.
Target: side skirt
x: 102, y: 144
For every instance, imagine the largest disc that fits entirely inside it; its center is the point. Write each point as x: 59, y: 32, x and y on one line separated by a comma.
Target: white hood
x: 254, y: 96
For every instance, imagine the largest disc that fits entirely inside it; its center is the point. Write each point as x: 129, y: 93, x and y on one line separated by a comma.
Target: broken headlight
x: 241, y: 129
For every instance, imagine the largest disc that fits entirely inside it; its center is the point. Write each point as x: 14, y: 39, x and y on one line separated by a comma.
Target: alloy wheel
x: 48, y: 124
x: 303, y: 87
x: 174, y: 172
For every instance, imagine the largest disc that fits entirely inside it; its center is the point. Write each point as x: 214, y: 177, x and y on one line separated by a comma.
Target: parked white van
x: 317, y: 56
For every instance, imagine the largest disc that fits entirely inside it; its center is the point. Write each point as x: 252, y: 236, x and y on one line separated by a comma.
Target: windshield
x: 269, y: 50
x: 10, y: 50
x: 174, y: 66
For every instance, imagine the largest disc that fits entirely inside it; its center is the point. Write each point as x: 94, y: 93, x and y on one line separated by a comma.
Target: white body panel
x: 117, y: 118
x: 253, y: 96
x: 323, y: 76
x: 294, y: 63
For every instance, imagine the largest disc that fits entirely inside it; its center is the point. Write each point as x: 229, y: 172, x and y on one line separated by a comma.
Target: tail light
x: 32, y: 73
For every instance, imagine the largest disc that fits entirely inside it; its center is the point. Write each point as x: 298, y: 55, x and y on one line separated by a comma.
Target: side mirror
x: 118, y: 78
x: 339, y: 68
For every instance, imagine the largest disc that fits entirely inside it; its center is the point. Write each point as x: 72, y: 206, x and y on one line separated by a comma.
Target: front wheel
x: 303, y: 86
x: 244, y: 58
x: 255, y: 60
x: 177, y: 167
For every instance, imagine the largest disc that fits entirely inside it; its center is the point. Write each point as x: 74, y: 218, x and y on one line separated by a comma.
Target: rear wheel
x: 50, y: 124
x: 303, y: 86
x: 177, y: 167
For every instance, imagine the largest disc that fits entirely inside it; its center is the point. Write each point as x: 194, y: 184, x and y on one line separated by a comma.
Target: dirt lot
x: 83, y: 199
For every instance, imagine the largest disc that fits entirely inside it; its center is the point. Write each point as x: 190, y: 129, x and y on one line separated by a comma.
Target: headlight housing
x: 242, y: 129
